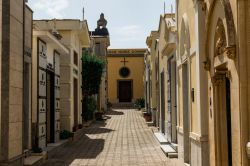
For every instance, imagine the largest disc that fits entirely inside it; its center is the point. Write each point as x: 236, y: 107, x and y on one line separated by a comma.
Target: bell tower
x: 100, y: 43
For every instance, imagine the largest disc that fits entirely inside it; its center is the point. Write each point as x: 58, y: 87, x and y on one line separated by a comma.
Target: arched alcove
x: 184, y: 38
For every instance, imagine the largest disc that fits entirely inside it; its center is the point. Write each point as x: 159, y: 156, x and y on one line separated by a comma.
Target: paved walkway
x: 124, y: 139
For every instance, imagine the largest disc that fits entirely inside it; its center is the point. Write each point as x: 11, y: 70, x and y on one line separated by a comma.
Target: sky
x: 129, y: 21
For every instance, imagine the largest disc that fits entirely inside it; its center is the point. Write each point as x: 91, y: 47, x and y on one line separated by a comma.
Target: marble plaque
x: 42, y: 105
x: 42, y: 130
x: 57, y: 104
x: 42, y: 142
x: 57, y: 63
x: 42, y: 83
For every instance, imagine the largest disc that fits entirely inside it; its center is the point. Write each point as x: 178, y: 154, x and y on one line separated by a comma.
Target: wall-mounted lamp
x: 248, y: 150
x: 192, y: 94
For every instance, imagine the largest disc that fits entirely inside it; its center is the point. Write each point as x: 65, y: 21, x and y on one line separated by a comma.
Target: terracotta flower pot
x: 98, y: 115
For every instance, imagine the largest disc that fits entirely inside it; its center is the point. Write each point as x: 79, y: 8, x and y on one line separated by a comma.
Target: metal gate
x: 57, y: 95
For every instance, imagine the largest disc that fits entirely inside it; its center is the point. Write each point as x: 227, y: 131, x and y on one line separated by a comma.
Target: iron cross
x: 124, y: 61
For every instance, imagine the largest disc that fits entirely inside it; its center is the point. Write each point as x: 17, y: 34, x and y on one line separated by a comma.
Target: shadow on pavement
x: 82, y: 147
x: 97, y: 131
x: 114, y: 112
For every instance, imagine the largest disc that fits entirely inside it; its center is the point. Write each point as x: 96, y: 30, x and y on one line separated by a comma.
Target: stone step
x: 150, y: 123
x: 33, y: 161
x: 169, y: 151
x: 54, y: 148
x: 123, y: 105
x: 160, y: 138
x: 174, y: 146
x: 173, y: 155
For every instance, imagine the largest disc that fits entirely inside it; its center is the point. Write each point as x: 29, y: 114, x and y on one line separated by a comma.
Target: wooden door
x: 125, y: 91
x: 172, y: 112
x: 162, y: 103
x: 50, y: 121
x: 223, y: 128
x: 186, y: 113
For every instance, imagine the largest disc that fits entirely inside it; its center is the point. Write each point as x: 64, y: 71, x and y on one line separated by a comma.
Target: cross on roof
x: 124, y: 61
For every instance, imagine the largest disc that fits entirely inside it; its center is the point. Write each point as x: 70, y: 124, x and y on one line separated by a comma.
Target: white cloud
x: 53, y: 8
x: 128, y: 31
x: 127, y: 36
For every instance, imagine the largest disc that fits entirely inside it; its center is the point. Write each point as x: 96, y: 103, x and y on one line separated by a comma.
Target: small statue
x: 221, y: 39
x: 102, y: 22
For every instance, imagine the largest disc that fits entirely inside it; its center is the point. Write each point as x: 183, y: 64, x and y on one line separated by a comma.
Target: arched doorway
x: 222, y: 118
x: 223, y: 76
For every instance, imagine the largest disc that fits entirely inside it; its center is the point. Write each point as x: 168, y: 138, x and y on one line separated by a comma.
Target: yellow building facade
x: 125, y: 75
x: 160, y: 64
x: 151, y: 64
x: 191, y: 87
x: 213, y: 123
x: 74, y: 36
x: 212, y: 78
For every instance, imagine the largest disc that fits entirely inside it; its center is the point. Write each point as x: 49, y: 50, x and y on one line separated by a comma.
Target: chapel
x: 125, y: 75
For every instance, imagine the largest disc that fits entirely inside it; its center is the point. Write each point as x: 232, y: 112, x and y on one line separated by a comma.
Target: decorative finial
x: 55, y: 32
x: 164, y: 7
x: 102, y: 22
x: 54, y: 27
x: 83, y: 14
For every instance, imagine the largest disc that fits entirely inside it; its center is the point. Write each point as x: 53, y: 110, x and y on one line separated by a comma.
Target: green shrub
x: 66, y: 134
x: 92, y: 70
x: 37, y: 150
x: 140, y: 103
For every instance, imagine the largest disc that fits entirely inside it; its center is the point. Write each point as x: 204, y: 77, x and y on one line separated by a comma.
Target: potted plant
x: 64, y: 134
x: 147, y: 116
x: 140, y: 103
x: 80, y: 126
x: 98, y: 115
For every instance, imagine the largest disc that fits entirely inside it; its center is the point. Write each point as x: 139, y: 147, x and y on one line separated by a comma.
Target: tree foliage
x: 89, y: 106
x: 92, y: 70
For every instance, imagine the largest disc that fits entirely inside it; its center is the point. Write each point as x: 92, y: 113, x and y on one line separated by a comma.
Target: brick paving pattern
x: 124, y: 139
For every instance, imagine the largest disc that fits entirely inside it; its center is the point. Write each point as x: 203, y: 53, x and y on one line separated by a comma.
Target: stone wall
x: 15, y: 78
x: 12, y: 82
x: 70, y: 71
x: 27, y: 59
x: 0, y: 70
